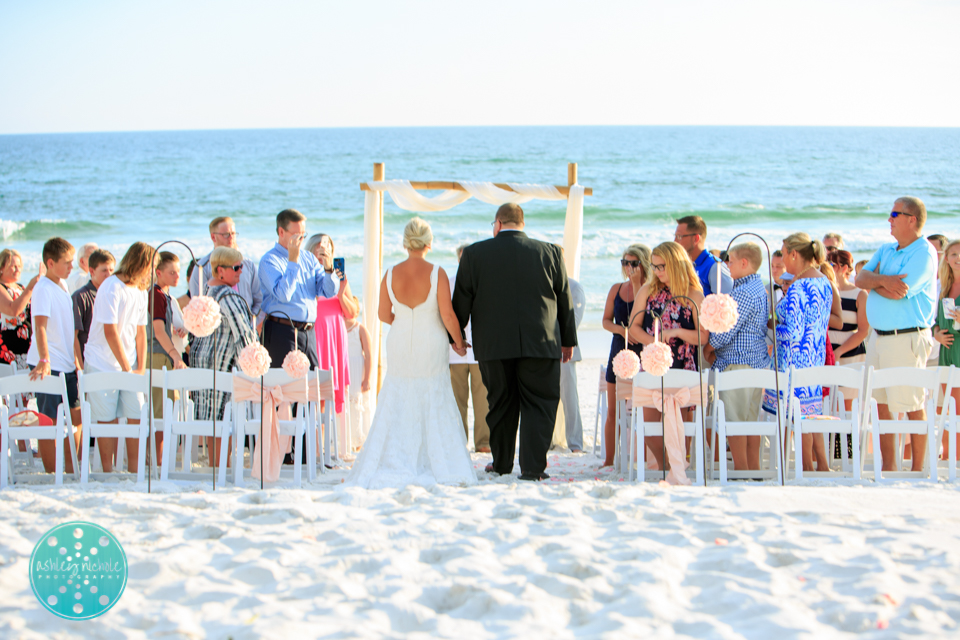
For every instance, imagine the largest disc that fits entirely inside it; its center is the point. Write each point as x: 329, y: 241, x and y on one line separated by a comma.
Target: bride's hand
x: 460, y: 350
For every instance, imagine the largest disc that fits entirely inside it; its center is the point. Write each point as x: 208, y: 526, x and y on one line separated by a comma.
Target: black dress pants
x: 524, y: 393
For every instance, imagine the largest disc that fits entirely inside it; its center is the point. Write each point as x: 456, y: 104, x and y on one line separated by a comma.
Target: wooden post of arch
x: 378, y: 175
x: 571, y: 174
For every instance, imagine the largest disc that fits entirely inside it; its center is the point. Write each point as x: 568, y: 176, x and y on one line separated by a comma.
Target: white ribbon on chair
x: 669, y: 402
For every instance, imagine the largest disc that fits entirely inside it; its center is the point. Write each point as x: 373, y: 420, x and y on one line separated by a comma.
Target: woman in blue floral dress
x: 803, y: 317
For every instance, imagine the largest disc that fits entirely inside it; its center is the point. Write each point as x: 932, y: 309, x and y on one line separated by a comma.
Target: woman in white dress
x: 417, y: 436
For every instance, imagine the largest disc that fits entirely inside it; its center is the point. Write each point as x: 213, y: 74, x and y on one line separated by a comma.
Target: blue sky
x: 118, y: 66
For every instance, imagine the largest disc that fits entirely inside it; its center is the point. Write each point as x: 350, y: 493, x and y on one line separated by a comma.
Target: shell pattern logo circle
x: 78, y: 570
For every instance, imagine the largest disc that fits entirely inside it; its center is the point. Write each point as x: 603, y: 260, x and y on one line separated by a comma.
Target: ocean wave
x: 9, y: 228
x: 45, y: 229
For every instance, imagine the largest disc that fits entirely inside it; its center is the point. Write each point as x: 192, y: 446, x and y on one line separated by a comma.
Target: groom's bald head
x: 510, y: 214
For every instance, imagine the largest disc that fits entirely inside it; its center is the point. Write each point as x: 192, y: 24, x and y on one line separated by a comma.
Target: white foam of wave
x: 10, y: 227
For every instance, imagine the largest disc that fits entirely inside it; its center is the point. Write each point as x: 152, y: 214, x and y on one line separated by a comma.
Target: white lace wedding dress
x: 417, y: 435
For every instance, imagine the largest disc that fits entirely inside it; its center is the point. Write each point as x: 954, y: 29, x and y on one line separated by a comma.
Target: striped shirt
x: 746, y: 343
x: 848, y: 301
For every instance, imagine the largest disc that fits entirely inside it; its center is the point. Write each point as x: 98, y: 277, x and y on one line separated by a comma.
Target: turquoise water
x: 115, y: 188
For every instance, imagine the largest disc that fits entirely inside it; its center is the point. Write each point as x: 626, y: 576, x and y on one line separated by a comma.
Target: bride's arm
x: 386, y: 307
x: 446, y: 310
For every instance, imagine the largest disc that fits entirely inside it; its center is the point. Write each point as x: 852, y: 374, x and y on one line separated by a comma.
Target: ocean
x: 116, y: 188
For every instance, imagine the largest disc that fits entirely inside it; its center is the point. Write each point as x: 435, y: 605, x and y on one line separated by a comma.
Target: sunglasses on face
x: 894, y: 214
x: 630, y: 263
x: 237, y: 267
x: 658, y: 267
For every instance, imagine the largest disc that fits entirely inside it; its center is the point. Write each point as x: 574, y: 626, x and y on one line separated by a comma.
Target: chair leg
x: 932, y: 446
x: 877, y: 458
x: 722, y: 447
x: 169, y: 452
x: 142, y: 452
x: 238, y: 457
x: 58, y: 470
x: 4, y: 456
x: 87, y: 443
x: 297, y: 463
x: 699, y: 449
x: 798, y: 450
x: 855, y: 461
x: 73, y: 454
x: 224, y: 455
x: 630, y: 475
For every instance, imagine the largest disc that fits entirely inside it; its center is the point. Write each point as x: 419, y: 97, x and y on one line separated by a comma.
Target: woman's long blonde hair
x: 683, y: 277
x: 946, y: 273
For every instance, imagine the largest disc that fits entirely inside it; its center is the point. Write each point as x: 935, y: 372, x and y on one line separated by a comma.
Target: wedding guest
x: 803, y: 318
x: 944, y: 331
x: 466, y: 380
x: 939, y: 242
x: 220, y: 350
x: 223, y: 233
x: 691, y: 234
x: 100, y: 264
x: 673, y: 279
x: 291, y: 280
x: 322, y: 247
x: 832, y: 241
x: 361, y: 376
x: 744, y: 347
x: 162, y: 354
x: 51, y: 350
x: 15, y: 326
x: 569, y: 396
x: 118, y: 342
x: 82, y: 276
x: 901, y: 308
x: 848, y: 341
x: 635, y: 270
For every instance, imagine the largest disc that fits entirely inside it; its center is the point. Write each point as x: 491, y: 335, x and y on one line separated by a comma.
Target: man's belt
x: 897, y: 332
x: 301, y: 326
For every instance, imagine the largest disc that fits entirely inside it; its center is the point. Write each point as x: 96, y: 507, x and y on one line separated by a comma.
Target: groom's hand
x: 565, y: 354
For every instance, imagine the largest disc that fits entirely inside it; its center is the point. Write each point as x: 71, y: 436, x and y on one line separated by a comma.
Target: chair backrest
x: 904, y: 377
x: 112, y: 381
x: 750, y: 379
x: 944, y: 373
x: 827, y: 377
x: 672, y: 379
x: 7, y: 370
x: 198, y: 380
x: 54, y: 385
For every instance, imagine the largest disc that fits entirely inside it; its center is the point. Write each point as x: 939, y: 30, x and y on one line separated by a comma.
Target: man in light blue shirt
x: 291, y: 280
x: 901, y: 307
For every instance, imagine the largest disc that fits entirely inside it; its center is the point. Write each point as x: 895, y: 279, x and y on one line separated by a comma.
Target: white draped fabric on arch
x: 407, y: 196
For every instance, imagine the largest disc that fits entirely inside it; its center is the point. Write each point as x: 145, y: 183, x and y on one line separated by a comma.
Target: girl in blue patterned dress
x: 803, y: 317
x: 672, y: 276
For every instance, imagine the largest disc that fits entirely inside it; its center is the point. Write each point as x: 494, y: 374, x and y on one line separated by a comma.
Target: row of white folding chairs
x: 856, y: 422
x: 309, y: 420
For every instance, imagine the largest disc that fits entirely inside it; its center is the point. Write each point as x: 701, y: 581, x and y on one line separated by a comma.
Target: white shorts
x: 106, y: 406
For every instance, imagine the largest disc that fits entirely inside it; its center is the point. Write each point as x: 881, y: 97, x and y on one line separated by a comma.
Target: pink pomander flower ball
x: 254, y: 360
x: 657, y: 358
x: 626, y: 364
x: 718, y: 313
x: 201, y: 316
x: 296, y: 364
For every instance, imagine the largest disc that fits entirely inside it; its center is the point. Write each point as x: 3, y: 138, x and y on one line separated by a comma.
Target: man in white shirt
x: 224, y: 234
x: 51, y: 349
x: 82, y: 276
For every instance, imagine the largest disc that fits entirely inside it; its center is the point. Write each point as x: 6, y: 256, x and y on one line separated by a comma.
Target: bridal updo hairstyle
x: 417, y: 235
x: 810, y: 250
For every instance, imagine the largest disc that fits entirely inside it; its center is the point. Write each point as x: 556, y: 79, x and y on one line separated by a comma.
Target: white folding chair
x: 62, y: 428
x: 624, y: 411
x: 113, y: 381
x: 846, y: 422
x: 16, y: 404
x: 296, y: 427
x: 601, y: 415
x: 948, y: 422
x: 926, y: 379
x: 180, y: 420
x: 639, y: 429
x: 748, y: 379
x: 319, y: 421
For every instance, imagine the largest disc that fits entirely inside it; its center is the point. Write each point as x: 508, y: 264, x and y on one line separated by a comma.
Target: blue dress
x: 621, y: 316
x: 804, y: 316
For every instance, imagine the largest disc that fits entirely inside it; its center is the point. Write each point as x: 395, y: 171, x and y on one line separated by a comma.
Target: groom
x: 515, y: 291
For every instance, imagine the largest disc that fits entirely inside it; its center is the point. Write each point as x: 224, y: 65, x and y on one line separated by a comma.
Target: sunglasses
x: 236, y: 267
x: 894, y: 214
x: 658, y: 267
x: 630, y: 263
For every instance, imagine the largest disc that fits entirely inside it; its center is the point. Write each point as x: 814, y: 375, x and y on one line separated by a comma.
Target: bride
x: 417, y: 436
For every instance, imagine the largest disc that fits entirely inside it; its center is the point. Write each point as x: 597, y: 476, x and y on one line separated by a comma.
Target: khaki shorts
x: 741, y: 405
x: 904, y: 350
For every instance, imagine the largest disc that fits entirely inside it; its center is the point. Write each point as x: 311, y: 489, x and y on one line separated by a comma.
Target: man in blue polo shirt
x: 691, y: 234
x: 291, y: 280
x: 901, y: 307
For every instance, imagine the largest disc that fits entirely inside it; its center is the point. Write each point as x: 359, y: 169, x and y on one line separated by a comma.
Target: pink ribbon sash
x: 275, y: 398
x: 669, y: 403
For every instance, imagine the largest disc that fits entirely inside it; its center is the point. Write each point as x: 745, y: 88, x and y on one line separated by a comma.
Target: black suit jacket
x: 515, y: 290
